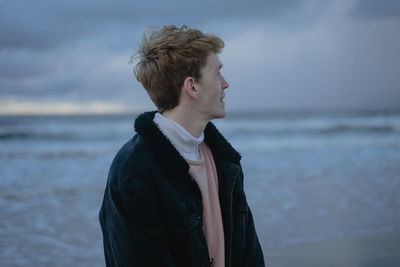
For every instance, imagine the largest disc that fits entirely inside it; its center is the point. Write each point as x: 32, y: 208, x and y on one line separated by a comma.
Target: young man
x: 174, y: 195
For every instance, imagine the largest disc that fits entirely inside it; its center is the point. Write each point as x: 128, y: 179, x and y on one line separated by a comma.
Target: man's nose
x: 224, y: 83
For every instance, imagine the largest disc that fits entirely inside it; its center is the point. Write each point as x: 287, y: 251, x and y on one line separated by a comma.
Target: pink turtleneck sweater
x: 202, y: 167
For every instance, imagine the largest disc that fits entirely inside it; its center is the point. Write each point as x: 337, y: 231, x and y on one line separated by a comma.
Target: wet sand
x: 380, y: 250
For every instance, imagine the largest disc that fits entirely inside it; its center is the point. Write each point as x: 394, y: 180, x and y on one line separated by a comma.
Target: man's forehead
x: 214, y: 61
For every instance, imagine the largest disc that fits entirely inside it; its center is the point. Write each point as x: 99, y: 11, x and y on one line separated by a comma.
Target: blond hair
x: 167, y: 56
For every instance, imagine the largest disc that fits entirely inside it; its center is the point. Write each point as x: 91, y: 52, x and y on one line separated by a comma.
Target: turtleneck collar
x: 166, y: 154
x: 186, y: 144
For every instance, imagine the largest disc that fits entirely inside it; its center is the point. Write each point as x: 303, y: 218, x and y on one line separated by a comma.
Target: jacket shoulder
x: 133, y: 155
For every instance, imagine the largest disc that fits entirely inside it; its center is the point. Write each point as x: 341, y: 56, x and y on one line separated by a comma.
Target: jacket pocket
x: 187, y: 240
x: 180, y: 224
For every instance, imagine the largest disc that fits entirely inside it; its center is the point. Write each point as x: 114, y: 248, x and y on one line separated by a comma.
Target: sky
x: 73, y: 56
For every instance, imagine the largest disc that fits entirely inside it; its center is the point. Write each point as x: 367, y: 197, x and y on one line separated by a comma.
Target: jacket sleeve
x: 253, y: 252
x: 134, y: 234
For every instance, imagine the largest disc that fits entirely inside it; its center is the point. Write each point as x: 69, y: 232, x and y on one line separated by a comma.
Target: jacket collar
x: 169, y: 157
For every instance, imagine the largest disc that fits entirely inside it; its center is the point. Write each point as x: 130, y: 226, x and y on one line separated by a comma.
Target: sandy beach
x: 377, y: 250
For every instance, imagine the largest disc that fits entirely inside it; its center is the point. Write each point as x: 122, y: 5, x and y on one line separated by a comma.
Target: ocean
x: 309, y: 176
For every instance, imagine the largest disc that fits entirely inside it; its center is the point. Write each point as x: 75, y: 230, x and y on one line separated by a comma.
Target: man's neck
x: 192, y: 122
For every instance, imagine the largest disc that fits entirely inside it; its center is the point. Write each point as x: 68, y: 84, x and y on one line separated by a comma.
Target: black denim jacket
x: 152, y: 210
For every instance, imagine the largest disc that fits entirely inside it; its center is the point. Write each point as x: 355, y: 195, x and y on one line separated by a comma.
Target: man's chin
x: 220, y: 115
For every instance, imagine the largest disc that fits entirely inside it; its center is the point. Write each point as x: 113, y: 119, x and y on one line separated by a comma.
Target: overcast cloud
x: 278, y: 54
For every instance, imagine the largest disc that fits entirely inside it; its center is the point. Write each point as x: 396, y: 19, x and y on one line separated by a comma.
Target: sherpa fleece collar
x: 166, y: 153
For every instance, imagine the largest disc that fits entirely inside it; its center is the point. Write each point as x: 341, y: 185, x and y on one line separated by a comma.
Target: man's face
x: 211, y: 87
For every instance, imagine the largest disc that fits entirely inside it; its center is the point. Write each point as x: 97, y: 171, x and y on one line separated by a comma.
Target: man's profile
x: 174, y: 195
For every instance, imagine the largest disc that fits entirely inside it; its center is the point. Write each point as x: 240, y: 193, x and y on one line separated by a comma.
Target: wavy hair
x: 167, y: 56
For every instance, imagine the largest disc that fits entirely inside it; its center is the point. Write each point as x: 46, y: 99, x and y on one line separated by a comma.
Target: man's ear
x: 189, y: 88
